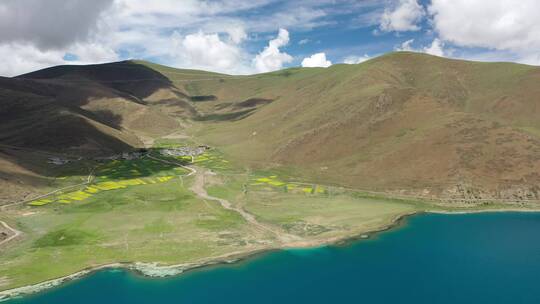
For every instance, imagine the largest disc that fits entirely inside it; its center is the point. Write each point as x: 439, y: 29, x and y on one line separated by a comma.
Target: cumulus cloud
x: 356, y: 59
x: 503, y: 25
x: 404, y: 16
x: 436, y: 48
x: 272, y: 58
x: 25, y: 57
x: 37, y: 34
x: 316, y: 60
x: 207, y: 51
x: 237, y: 34
x: 498, y: 24
x: 101, y: 30
x: 51, y: 24
x: 406, y: 46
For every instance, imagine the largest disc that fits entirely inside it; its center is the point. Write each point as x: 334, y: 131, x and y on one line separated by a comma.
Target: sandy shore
x: 155, y: 270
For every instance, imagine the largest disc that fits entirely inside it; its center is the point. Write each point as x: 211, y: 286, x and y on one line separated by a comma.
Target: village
x: 191, y: 151
x: 184, y: 151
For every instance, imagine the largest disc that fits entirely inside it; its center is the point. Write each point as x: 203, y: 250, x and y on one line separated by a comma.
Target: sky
x: 255, y: 36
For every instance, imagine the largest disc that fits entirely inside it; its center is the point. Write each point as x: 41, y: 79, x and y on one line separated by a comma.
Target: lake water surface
x: 433, y: 258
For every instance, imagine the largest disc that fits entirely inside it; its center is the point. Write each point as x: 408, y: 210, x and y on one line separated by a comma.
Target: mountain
x: 403, y: 122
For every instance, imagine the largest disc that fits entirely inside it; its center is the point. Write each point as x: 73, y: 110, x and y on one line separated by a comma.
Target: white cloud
x: 271, y: 58
x: 316, y: 60
x: 100, y: 30
x: 356, y: 59
x: 505, y: 25
x: 533, y: 59
x: 406, y: 46
x: 237, y: 34
x: 25, y: 57
x: 207, y: 51
x: 500, y: 24
x: 404, y: 16
x: 51, y: 24
x: 436, y: 48
x: 31, y: 36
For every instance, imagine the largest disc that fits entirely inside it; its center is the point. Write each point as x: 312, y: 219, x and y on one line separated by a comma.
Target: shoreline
x: 520, y: 210
x: 154, y: 270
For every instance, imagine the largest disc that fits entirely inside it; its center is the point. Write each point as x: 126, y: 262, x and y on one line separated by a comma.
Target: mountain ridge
x: 402, y: 122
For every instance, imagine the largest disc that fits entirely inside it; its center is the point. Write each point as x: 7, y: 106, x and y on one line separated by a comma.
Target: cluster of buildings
x: 58, y: 161
x: 184, y: 151
x: 124, y: 155
x: 180, y: 151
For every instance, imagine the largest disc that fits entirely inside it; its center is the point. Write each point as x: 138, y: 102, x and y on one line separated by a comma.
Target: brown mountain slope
x: 79, y: 110
x: 37, y: 119
x: 96, y: 107
x: 402, y: 122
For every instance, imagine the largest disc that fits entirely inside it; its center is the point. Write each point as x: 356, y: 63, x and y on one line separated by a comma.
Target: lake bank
x: 156, y: 270
x: 432, y: 258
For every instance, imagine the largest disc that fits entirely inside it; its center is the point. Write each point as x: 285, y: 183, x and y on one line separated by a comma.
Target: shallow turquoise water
x: 475, y: 258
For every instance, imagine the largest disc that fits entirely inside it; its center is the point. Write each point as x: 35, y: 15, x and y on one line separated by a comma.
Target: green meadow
x: 159, y: 222
x: 144, y: 211
x: 117, y: 174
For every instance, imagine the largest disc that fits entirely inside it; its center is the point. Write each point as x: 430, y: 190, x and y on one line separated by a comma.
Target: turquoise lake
x: 432, y: 258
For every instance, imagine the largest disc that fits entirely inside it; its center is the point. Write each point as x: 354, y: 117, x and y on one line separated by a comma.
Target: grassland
x: 158, y: 219
x: 161, y: 222
x: 143, y: 211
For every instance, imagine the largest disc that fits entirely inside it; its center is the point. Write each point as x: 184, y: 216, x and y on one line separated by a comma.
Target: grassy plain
x: 164, y: 222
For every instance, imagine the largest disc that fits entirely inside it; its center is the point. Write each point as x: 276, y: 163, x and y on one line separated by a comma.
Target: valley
x: 133, y: 163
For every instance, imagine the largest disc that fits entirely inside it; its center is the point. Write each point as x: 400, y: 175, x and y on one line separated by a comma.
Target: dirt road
x: 88, y: 181
x: 200, y: 191
x: 14, y: 233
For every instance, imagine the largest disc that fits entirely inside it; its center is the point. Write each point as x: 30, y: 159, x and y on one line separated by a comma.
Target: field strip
x: 15, y: 232
x: 191, y: 170
x: 4, y: 207
x: 88, y: 181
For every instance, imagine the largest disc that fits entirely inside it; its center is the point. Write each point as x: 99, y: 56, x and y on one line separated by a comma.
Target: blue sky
x: 244, y: 37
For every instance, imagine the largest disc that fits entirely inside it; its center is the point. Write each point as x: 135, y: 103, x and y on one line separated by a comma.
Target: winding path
x: 88, y: 181
x: 15, y: 233
x: 200, y: 191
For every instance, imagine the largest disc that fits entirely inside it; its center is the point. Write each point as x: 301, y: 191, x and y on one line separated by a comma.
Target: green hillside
x: 401, y: 123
